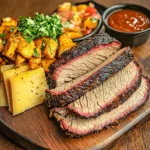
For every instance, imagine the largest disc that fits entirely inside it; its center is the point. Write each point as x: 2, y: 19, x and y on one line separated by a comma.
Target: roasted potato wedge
x: 2, y: 28
x: 50, y: 48
x: 19, y: 60
x: 38, y: 44
x: 10, y: 48
x: 9, y: 22
x: 1, y: 45
x: 9, y: 32
x: 2, y: 63
x: 34, y: 63
x: 65, y: 43
x: 46, y: 63
x: 26, y: 49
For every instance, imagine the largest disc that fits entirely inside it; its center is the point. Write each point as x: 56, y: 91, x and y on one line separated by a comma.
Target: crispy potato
x: 38, y: 44
x: 9, y: 22
x: 50, y: 48
x: 10, y: 48
x: 46, y: 63
x: 1, y: 59
x: 34, y: 63
x: 2, y: 29
x: 65, y: 43
x: 2, y: 63
x: 1, y: 45
x: 9, y: 32
x: 19, y: 60
x: 26, y: 49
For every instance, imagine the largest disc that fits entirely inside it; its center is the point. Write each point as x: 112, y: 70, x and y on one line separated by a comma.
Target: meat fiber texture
x: 71, y: 91
x: 81, y: 59
x: 109, y: 94
x: 75, y: 126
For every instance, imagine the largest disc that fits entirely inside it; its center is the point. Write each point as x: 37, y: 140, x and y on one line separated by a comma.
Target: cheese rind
x: 3, y: 99
x: 28, y: 90
x: 7, y: 75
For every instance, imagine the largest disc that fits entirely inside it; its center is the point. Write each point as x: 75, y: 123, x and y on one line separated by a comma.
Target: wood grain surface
x: 140, y: 138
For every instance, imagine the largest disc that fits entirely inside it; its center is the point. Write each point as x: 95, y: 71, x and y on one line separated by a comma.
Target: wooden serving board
x: 33, y: 129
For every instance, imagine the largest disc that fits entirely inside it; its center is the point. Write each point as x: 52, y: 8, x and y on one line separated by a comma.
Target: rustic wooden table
x: 137, y: 140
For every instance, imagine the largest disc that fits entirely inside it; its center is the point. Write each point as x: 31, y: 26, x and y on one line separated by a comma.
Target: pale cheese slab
x: 7, y: 75
x: 28, y: 90
x: 3, y: 98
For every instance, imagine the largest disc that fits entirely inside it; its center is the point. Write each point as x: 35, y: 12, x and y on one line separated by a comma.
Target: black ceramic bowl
x: 127, y: 38
x: 100, y: 9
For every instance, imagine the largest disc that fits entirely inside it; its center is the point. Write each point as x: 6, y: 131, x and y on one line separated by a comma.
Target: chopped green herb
x: 2, y: 35
x: 35, y: 53
x: 12, y: 29
x: 4, y: 42
x: 43, y: 45
x: 40, y: 25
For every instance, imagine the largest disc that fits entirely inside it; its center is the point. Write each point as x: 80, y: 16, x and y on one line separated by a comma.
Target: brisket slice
x: 82, y: 58
x: 71, y: 91
x: 109, y: 94
x: 75, y: 126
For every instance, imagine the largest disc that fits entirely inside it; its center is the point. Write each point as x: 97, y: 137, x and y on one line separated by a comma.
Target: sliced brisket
x: 109, y: 94
x: 71, y: 91
x: 81, y: 59
x: 76, y: 126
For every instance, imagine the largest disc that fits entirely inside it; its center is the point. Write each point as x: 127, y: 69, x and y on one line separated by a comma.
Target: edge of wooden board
x: 28, y: 144
x: 18, y: 138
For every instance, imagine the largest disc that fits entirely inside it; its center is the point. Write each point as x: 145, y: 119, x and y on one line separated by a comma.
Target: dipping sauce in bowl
x: 127, y: 20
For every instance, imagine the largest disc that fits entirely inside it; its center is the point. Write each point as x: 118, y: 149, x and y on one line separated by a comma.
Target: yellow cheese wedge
x: 28, y: 90
x: 3, y: 99
x: 7, y: 75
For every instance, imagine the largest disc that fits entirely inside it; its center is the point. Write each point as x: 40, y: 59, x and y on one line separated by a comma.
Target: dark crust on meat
x: 118, y: 100
x: 92, y: 82
x: 70, y: 134
x: 82, y: 48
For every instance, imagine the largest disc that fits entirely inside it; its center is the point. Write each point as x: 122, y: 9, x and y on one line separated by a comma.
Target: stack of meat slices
x: 96, y: 83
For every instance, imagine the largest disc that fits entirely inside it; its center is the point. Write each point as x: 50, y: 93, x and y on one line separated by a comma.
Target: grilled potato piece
x: 9, y: 32
x: 19, y: 60
x: 2, y: 63
x: 50, y: 48
x: 65, y: 43
x: 2, y: 28
x: 38, y: 44
x: 34, y: 63
x: 1, y: 59
x: 46, y: 63
x: 26, y: 49
x: 9, y: 22
x: 10, y: 47
x: 1, y: 45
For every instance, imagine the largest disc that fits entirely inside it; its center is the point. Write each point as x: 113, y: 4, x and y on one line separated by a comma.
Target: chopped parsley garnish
x: 40, y: 25
x: 4, y: 42
x: 2, y: 35
x: 35, y: 53
x: 12, y: 29
x: 43, y: 45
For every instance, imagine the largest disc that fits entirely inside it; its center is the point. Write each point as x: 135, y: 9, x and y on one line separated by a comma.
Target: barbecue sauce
x: 128, y: 20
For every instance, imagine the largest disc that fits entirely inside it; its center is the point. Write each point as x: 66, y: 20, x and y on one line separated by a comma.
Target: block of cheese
x: 3, y: 99
x: 28, y: 90
x: 7, y: 75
